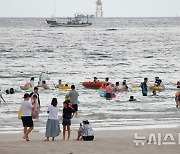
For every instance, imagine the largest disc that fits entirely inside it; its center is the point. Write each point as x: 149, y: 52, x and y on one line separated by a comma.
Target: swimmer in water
x: 132, y: 99
x: 177, y: 98
x: 95, y: 79
x: 116, y: 88
x: 124, y: 86
x: 154, y: 93
x: 44, y: 85
x: 178, y: 84
x: 59, y: 84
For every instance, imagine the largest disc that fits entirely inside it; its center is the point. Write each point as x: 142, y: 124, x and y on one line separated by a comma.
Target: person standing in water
x: 144, y: 87
x: 124, y: 86
x: 116, y: 88
x: 32, y: 82
x: 177, y: 98
x: 59, y: 84
x: 73, y: 95
x: 109, y: 90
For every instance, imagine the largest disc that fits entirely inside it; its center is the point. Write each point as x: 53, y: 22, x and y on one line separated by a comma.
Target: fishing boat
x: 51, y: 21
x: 76, y: 22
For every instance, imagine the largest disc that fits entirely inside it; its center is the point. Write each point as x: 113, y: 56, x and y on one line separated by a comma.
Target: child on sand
x: 36, y: 108
x: 68, y: 114
x: 52, y: 125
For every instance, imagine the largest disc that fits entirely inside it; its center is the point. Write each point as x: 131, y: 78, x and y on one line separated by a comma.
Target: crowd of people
x: 31, y: 107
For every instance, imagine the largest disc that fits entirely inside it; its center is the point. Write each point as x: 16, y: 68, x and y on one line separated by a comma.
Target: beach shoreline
x: 119, y: 141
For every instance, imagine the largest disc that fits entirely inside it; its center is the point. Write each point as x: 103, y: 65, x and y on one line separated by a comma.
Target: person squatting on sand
x: 177, y: 98
x: 26, y: 117
x: 52, y: 125
x: 67, y: 115
x: 85, y: 132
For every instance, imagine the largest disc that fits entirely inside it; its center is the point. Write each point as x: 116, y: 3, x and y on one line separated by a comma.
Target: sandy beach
x: 106, y: 142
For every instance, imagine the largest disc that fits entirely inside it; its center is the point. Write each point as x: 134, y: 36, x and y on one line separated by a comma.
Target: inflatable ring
x: 103, y: 94
x: 65, y: 88
x: 92, y: 84
x: 135, y: 86
x: 26, y: 86
x: 158, y: 88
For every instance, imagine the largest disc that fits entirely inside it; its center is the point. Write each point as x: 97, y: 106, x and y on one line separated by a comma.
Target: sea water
x: 119, y: 48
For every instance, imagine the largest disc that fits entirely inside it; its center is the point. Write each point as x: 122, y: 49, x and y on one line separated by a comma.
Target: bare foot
x: 26, y: 138
x: 46, y: 140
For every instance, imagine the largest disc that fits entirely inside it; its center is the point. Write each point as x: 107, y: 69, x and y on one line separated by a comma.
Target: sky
x: 111, y: 8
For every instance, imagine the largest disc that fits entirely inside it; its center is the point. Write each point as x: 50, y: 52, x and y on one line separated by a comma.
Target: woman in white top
x: 52, y: 125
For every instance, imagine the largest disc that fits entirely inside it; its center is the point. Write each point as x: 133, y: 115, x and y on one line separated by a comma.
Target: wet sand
x: 106, y: 142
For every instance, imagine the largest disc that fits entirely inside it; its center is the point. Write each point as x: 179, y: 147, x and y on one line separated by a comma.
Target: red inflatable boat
x: 92, y: 84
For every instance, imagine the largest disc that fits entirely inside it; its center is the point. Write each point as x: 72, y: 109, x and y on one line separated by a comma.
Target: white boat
x: 84, y: 16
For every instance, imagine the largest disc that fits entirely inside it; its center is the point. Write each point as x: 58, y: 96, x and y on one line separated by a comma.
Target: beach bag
x: 20, y: 113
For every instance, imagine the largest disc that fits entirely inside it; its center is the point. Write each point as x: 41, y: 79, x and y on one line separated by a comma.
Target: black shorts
x: 88, y: 138
x: 108, y: 95
x: 27, y: 121
x: 75, y: 107
x: 66, y: 122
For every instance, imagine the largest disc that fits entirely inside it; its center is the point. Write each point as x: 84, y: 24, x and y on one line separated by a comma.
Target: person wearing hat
x: 26, y: 117
x: 1, y: 97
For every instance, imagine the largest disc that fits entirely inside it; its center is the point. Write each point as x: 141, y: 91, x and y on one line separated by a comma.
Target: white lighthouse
x: 99, y: 9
